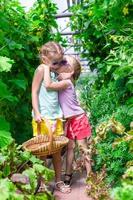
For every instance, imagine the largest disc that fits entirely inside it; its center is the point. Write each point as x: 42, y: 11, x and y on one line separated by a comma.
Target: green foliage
x: 5, y: 135
x: 4, y: 125
x: 21, y: 36
x: 5, y: 138
x: 7, y: 190
x: 26, y: 169
x: 124, y: 191
x: 106, y: 40
x: 5, y: 94
x: 113, y: 149
x: 107, y: 100
x: 42, y: 17
x: 114, y: 159
x: 98, y: 21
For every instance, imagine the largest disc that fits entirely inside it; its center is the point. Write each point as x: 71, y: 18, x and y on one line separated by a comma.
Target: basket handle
x: 38, y: 128
x: 50, y: 133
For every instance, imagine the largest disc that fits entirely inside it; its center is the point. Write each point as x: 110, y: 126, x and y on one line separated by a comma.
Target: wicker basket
x: 44, y: 145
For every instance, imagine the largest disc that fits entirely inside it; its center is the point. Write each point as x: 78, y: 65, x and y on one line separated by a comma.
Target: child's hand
x: 38, y: 118
x: 64, y: 76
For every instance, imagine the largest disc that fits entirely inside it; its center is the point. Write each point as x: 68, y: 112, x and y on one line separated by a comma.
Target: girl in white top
x: 46, y: 108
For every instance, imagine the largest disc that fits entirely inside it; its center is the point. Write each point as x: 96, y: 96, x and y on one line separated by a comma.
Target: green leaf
x: 4, y: 189
x: 6, y: 170
x: 39, y: 168
x: 8, y: 190
x: 129, y: 101
x: 5, y: 93
x: 129, y: 84
x: 4, y: 125
x: 123, y: 72
x: 3, y: 90
x: 130, y: 111
x: 30, y: 172
x: 20, y: 83
x: 34, y: 160
x: 109, y: 67
x: 5, y: 138
x: 2, y: 159
x: 13, y: 45
x: 25, y: 155
x: 5, y: 64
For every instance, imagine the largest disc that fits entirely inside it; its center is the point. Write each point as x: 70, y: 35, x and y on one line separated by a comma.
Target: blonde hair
x: 75, y: 65
x: 50, y: 50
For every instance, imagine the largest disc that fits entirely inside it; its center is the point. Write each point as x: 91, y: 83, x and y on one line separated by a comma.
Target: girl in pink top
x: 77, y: 127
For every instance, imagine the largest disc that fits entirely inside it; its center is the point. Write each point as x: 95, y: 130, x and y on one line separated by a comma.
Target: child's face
x: 66, y: 67
x: 55, y: 64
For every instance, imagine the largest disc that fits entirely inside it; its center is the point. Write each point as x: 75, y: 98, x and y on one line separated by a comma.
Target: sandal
x: 60, y: 186
x: 68, y: 179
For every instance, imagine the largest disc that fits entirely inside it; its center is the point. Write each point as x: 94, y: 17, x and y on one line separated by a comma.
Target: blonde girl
x: 46, y: 109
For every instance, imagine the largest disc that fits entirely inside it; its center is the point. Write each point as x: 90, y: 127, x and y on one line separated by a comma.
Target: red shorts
x: 78, y: 127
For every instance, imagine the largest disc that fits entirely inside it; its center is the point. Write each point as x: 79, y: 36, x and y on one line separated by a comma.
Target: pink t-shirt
x: 68, y: 102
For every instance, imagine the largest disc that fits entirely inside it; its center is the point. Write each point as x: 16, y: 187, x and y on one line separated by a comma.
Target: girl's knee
x: 71, y: 146
x: 58, y: 153
x: 57, y: 156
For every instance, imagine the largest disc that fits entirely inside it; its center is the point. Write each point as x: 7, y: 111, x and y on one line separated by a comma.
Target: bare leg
x: 70, y: 156
x: 69, y: 162
x: 57, y: 166
x: 84, y: 150
x: 59, y: 185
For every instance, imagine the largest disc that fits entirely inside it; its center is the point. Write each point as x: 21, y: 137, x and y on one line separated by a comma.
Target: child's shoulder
x: 40, y: 68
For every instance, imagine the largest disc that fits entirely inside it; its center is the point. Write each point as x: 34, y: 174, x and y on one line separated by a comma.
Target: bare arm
x: 64, y: 75
x: 37, y: 79
x: 54, y: 85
